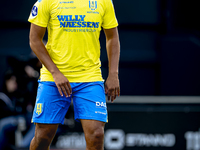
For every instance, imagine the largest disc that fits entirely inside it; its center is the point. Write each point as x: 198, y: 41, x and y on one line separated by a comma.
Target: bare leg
x: 44, y: 134
x: 94, y: 134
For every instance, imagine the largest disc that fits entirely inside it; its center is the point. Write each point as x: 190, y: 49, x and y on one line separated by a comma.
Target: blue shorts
x: 89, y: 103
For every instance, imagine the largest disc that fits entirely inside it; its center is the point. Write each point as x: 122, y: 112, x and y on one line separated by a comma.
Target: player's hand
x: 112, y: 88
x: 62, y: 84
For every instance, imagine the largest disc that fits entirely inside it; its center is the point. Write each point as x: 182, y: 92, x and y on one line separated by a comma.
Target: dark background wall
x: 160, y: 44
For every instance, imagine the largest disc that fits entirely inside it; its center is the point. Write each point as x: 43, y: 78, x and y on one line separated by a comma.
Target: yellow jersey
x: 73, y: 35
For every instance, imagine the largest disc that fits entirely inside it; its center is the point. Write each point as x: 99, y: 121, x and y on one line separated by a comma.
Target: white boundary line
x: 158, y: 99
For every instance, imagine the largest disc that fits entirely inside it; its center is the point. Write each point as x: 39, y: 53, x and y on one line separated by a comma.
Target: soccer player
x: 71, y: 67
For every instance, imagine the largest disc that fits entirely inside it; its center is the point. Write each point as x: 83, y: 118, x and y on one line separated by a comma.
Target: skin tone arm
x: 112, y: 88
x: 35, y: 37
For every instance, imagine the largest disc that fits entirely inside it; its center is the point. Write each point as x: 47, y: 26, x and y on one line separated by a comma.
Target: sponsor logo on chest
x: 76, y: 21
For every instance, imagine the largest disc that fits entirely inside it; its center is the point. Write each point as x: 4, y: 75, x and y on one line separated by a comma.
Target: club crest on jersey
x: 92, y: 4
x: 39, y: 109
x: 34, y: 11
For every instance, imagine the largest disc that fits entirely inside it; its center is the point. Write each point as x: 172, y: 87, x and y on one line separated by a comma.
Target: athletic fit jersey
x: 73, y: 35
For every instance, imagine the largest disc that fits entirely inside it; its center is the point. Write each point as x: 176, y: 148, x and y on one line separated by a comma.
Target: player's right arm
x: 35, y: 38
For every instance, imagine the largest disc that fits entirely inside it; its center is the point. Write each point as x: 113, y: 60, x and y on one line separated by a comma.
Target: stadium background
x: 159, y: 69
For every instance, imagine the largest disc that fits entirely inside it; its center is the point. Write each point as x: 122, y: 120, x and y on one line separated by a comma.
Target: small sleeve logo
x: 34, y: 11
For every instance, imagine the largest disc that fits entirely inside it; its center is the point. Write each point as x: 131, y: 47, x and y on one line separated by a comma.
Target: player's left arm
x: 112, y: 87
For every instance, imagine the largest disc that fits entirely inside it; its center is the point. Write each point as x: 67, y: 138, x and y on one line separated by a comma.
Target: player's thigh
x: 45, y: 131
x: 92, y: 128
